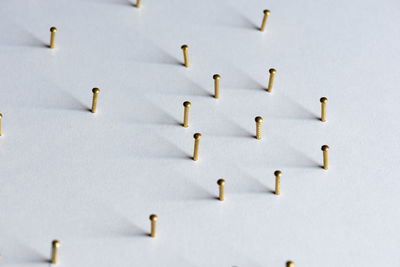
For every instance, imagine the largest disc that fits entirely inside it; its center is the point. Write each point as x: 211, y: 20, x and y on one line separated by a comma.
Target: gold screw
x: 95, y: 91
x: 53, y: 31
x: 216, y: 78
x: 266, y: 14
x: 290, y: 264
x: 1, y: 116
x: 277, y: 182
x: 185, y: 55
x: 186, y: 104
x: 325, y: 149
x: 196, y: 137
x: 323, y: 108
x: 137, y: 3
x: 55, y: 245
x: 271, y: 79
x: 221, y: 183
x: 153, y: 219
x: 258, y: 120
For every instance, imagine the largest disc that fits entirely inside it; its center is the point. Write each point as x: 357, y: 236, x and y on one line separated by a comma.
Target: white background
x: 92, y: 180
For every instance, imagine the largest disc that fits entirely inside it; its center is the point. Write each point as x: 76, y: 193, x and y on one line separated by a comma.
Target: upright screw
x: 258, y: 120
x: 186, y: 104
x: 325, y: 149
x: 55, y: 245
x: 185, y: 55
x: 196, y: 137
x: 272, y: 73
x: 53, y: 31
x: 277, y: 181
x: 323, y: 108
x: 1, y: 116
x: 266, y: 14
x: 153, y: 219
x: 95, y: 91
x: 216, y: 78
x: 221, y: 183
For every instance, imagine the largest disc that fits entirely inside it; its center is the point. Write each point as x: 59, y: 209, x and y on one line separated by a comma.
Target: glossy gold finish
x: 196, y: 137
x: 1, y: 116
x: 185, y: 55
x: 221, y: 183
x: 290, y: 264
x: 53, y: 31
x: 266, y: 14
x: 258, y: 127
x: 272, y: 73
x: 55, y: 245
x: 216, y: 78
x: 186, y: 104
x: 323, y: 108
x: 137, y: 3
x: 153, y: 219
x: 277, y: 182
x: 325, y: 149
x: 95, y: 91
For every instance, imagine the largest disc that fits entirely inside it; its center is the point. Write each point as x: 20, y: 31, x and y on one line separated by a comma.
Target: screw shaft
x: 94, y: 102
x: 264, y: 22
x: 216, y: 88
x: 153, y: 229
x: 258, y: 130
x: 277, y: 184
x: 196, y: 149
x: 221, y: 192
x: 52, y: 37
x: 186, y: 117
x: 325, y: 154
x: 323, y: 111
x: 137, y: 3
x: 271, y: 82
x: 186, y: 58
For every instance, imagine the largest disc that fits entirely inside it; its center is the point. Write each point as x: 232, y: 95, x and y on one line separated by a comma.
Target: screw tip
x: 187, y: 104
x: 53, y: 29
x: 258, y: 119
x: 323, y: 100
x: 221, y: 182
x: 325, y: 148
x: 272, y: 71
x: 197, y: 136
x: 96, y: 90
x: 153, y: 217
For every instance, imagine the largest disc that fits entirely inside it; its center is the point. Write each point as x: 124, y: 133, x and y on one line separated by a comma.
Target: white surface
x: 91, y: 181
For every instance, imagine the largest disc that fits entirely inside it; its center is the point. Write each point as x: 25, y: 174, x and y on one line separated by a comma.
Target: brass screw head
x: 258, y: 119
x: 153, y: 217
x: 221, y: 182
x: 266, y: 11
x: 1, y: 116
x: 197, y: 136
x: 277, y: 173
x: 184, y: 47
x: 323, y: 100
x: 56, y: 243
x: 325, y: 148
x: 216, y: 76
x: 186, y: 104
x: 290, y: 264
x: 272, y: 71
x: 53, y: 29
x: 96, y: 90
